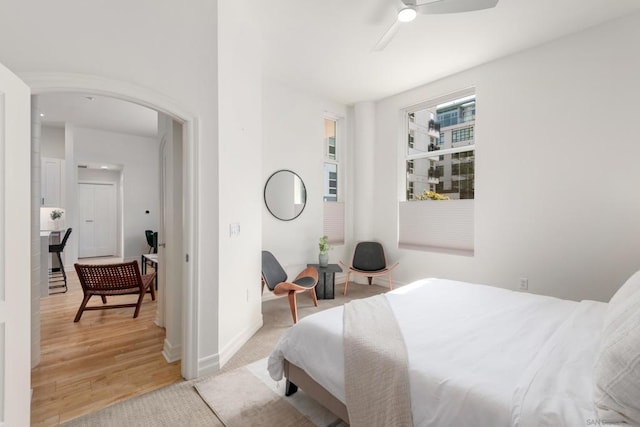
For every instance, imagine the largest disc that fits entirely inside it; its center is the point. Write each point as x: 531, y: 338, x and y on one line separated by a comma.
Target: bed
x: 484, y: 356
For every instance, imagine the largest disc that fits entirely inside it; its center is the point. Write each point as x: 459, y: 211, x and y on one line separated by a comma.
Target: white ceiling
x: 325, y: 47
x: 97, y: 112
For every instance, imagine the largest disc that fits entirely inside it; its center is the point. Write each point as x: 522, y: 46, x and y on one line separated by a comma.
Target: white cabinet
x: 51, y: 182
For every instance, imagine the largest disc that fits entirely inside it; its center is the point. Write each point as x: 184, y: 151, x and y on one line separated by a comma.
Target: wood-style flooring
x: 106, y: 357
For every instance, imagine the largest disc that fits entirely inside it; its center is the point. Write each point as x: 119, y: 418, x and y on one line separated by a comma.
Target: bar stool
x: 152, y: 241
x: 56, y: 276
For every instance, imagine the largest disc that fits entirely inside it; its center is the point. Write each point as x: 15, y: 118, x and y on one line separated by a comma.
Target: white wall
x: 52, y: 142
x: 556, y: 168
x: 293, y: 139
x: 168, y: 48
x: 37, y: 270
x: 139, y: 158
x: 170, y: 248
x: 240, y: 134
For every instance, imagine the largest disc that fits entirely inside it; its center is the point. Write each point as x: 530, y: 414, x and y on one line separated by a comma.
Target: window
x: 331, y: 182
x: 440, y: 189
x: 330, y: 174
x: 333, y: 210
x: 462, y: 134
x: 448, y: 118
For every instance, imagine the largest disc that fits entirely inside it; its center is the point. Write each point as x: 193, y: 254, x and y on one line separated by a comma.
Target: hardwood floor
x: 104, y: 358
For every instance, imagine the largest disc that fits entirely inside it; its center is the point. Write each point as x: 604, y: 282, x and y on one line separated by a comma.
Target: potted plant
x: 55, y: 215
x: 431, y: 195
x: 323, y: 257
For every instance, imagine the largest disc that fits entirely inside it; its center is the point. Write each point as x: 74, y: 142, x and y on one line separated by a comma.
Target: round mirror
x: 285, y: 195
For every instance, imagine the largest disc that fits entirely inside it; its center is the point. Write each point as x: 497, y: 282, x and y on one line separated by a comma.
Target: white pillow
x: 628, y: 288
x: 617, y: 368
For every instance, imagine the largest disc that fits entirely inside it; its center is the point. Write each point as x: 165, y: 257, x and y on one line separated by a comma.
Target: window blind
x: 334, y: 222
x: 440, y: 225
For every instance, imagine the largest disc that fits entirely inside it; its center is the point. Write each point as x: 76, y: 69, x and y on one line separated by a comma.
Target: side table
x: 326, y: 280
x: 152, y: 260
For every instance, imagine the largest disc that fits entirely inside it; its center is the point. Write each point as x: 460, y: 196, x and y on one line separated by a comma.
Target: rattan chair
x: 369, y: 260
x: 274, y: 276
x: 113, y: 279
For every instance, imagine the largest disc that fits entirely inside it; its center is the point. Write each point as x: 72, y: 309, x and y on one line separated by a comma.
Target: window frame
x: 444, y: 216
x: 334, y: 214
x: 338, y: 153
x: 432, y: 103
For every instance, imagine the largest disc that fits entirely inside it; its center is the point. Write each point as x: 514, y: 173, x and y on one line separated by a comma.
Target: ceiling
x: 97, y: 112
x: 325, y: 47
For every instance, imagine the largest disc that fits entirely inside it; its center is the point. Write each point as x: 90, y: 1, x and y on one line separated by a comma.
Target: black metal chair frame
x: 57, y: 275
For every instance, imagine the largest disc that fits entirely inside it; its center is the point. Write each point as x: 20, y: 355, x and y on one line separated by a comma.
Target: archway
x: 58, y: 82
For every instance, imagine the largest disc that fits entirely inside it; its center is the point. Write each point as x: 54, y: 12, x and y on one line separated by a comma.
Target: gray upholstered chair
x: 274, y: 276
x: 368, y: 260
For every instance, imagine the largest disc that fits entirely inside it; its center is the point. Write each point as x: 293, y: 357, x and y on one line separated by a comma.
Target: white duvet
x: 478, y: 355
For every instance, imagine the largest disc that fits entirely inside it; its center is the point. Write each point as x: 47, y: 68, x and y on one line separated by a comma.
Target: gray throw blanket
x: 376, y: 372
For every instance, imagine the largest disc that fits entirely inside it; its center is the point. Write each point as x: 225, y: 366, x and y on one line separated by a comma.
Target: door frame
x: 64, y: 82
x: 16, y: 240
x: 117, y: 211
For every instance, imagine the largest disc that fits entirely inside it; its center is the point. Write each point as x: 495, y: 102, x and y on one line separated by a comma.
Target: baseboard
x: 377, y: 281
x: 208, y: 365
x: 268, y: 296
x: 211, y: 364
x: 234, y: 345
x: 170, y: 352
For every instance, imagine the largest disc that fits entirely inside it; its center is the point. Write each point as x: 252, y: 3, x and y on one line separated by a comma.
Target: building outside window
x: 440, y: 176
x: 330, y: 173
x: 462, y: 134
x: 449, y: 129
x: 333, y: 209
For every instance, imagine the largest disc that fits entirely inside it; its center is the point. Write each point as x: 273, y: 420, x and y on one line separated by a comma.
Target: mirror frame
x: 304, y: 188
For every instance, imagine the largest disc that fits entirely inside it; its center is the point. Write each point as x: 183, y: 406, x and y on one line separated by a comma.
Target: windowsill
x: 449, y: 251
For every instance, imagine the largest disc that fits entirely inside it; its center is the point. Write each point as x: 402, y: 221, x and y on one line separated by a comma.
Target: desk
x: 152, y: 260
x: 326, y: 280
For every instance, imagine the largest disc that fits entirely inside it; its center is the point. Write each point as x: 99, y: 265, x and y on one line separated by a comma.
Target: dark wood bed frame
x: 297, y: 377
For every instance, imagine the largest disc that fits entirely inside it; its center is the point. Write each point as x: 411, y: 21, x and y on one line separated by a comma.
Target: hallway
x: 106, y: 357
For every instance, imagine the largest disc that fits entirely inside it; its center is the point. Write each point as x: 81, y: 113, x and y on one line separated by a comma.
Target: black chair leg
x: 64, y: 276
x: 64, y: 273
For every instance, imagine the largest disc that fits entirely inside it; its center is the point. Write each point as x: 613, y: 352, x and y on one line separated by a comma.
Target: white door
x: 98, y: 222
x: 15, y: 262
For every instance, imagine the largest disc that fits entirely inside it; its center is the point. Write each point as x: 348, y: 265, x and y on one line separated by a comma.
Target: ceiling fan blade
x: 387, y: 37
x: 454, y: 6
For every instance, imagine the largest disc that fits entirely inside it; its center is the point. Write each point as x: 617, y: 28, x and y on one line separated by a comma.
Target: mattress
x: 478, y: 355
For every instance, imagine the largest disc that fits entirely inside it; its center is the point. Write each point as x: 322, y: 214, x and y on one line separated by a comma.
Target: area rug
x: 248, y: 396
x: 175, y: 405
x: 245, y: 396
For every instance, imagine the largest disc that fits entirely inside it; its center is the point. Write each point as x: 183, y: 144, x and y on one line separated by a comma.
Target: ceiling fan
x: 411, y: 8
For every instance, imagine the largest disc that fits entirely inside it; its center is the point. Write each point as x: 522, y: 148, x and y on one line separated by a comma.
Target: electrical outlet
x: 234, y: 229
x: 524, y: 284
